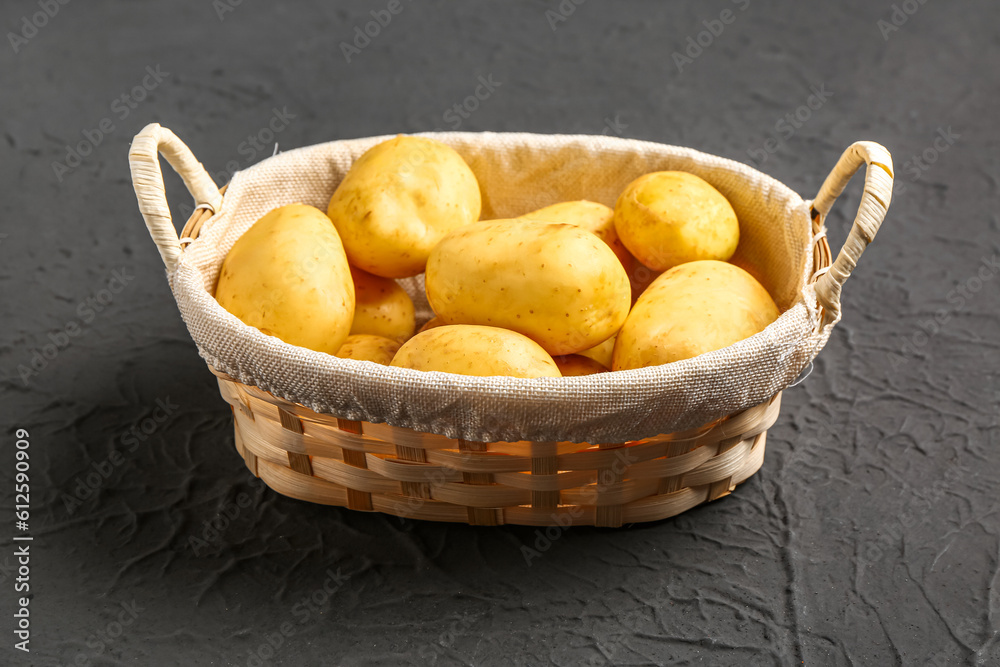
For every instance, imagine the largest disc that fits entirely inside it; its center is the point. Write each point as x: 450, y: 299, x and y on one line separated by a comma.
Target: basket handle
x: 871, y: 212
x: 147, y: 179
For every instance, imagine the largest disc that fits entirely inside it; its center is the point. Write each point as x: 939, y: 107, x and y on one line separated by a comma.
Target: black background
x: 870, y: 537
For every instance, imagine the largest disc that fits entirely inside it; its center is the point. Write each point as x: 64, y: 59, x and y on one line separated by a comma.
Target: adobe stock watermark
x: 103, y: 640
x: 786, y: 126
x: 900, y: 14
x: 922, y: 162
x: 561, y: 13
x: 362, y: 38
x: 223, y: 7
x: 31, y: 23
x: 304, y: 609
x: 446, y: 640
x: 250, y: 149
x: 915, y: 513
x: 959, y: 297
x: 121, y: 108
x: 85, y: 485
x: 614, y: 126
x: 257, y: 143
x: 86, y: 312
x: 460, y: 111
x: 213, y: 527
x: 562, y: 521
x: 696, y: 44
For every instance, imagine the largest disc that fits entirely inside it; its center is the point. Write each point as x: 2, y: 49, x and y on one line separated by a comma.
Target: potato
x: 430, y: 324
x: 602, y: 353
x: 595, y: 218
x: 381, y: 308
x: 398, y: 200
x: 288, y: 276
x: 641, y: 277
x: 468, y: 349
x: 691, y: 309
x: 572, y: 365
x: 666, y: 218
x: 366, y: 347
x: 557, y: 284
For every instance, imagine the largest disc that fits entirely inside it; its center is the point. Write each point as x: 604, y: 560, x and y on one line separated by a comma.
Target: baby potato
x: 691, y: 309
x: 468, y: 349
x: 641, y: 277
x: 595, y: 218
x: 557, y: 284
x: 666, y: 218
x: 382, y: 307
x: 366, y: 347
x: 430, y: 324
x: 602, y: 353
x: 572, y: 365
x: 398, y: 200
x: 288, y: 276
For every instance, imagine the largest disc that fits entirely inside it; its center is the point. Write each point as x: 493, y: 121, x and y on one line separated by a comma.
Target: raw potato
x: 573, y: 365
x: 691, y: 309
x: 382, y: 307
x: 288, y: 276
x: 431, y: 323
x: 557, y: 284
x: 365, y: 347
x: 595, y: 218
x: 467, y: 349
x: 641, y: 277
x: 602, y: 353
x: 398, y: 200
x: 666, y: 218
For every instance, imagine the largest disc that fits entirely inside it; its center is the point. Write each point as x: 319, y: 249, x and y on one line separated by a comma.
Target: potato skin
x: 366, y: 347
x: 602, y: 353
x: 575, y: 365
x: 398, y: 200
x: 468, y: 349
x: 691, y: 309
x: 382, y: 307
x: 430, y: 324
x: 666, y: 218
x: 557, y: 284
x: 288, y: 276
x: 595, y: 218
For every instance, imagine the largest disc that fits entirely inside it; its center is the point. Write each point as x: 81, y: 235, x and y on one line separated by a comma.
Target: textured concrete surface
x: 870, y: 537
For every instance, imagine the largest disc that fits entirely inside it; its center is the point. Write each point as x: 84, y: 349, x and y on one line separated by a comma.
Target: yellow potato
x: 366, y: 347
x: 557, y: 284
x: 430, y: 324
x: 641, y: 277
x: 691, y: 309
x: 602, y: 353
x: 595, y: 218
x: 398, y: 200
x: 288, y: 276
x: 467, y: 349
x: 572, y: 365
x: 666, y: 218
x: 382, y: 307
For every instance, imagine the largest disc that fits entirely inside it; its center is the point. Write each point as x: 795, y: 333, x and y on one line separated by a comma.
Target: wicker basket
x: 321, y: 458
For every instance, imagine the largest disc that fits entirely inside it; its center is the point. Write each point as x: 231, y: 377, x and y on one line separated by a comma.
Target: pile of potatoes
x: 547, y: 294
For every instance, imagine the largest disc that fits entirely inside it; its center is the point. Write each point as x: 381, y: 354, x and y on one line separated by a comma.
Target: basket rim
x: 540, y: 390
x: 203, y: 217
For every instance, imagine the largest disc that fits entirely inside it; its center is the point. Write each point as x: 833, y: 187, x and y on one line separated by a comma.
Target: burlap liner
x: 518, y: 173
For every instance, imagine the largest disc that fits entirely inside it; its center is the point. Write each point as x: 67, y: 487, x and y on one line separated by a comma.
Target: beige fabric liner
x: 518, y: 173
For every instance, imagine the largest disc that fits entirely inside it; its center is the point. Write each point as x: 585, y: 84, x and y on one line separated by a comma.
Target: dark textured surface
x: 870, y: 537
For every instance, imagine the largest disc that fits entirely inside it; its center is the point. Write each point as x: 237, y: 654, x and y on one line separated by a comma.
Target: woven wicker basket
x: 321, y: 458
